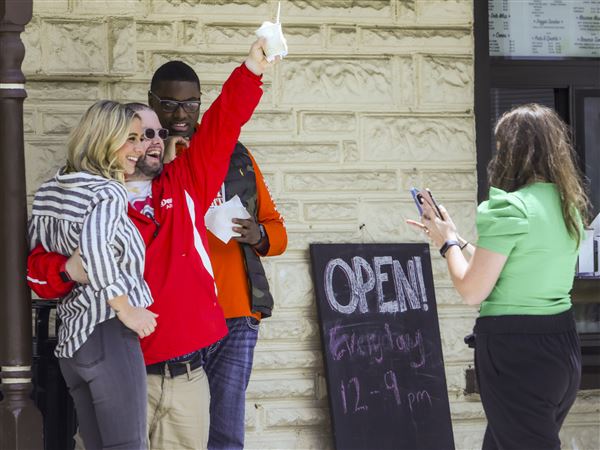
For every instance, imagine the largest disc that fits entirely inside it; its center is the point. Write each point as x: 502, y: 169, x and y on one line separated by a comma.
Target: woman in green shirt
x: 527, y: 353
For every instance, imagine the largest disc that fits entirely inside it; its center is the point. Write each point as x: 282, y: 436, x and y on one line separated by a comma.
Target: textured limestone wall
x: 375, y: 97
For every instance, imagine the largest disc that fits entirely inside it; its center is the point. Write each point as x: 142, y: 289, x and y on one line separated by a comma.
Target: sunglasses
x: 162, y: 133
x: 170, y: 106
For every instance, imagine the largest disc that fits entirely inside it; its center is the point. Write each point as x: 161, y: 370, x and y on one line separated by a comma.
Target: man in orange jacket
x: 242, y: 287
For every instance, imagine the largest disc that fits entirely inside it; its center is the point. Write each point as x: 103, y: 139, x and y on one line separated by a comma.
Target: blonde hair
x: 94, y: 142
x: 534, y: 145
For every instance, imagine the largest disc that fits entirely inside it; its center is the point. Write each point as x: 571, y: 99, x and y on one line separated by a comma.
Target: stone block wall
x: 376, y: 96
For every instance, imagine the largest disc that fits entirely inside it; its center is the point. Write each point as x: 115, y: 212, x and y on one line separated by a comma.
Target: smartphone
x: 421, y: 196
x: 428, y: 197
x: 418, y: 200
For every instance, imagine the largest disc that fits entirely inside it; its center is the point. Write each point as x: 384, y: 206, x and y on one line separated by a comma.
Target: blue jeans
x: 228, y: 366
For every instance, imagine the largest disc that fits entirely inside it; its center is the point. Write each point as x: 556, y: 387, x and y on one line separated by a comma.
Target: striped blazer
x: 90, y: 212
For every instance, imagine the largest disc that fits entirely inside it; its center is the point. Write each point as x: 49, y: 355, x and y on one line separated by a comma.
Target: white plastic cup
x: 276, y: 44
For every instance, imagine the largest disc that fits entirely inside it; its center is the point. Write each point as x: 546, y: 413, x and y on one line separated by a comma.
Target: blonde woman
x: 527, y: 352
x: 85, y: 207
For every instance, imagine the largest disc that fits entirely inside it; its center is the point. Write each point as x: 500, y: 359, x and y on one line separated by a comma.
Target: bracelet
x: 460, y: 239
x: 447, y: 246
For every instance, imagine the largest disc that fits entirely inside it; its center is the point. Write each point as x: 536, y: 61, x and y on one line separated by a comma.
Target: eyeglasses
x: 170, y: 106
x: 149, y: 133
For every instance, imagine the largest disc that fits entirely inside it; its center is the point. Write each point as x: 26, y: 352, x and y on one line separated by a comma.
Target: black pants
x: 528, y: 370
x: 107, y: 380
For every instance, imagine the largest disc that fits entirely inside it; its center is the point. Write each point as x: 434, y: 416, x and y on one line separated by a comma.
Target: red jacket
x: 178, y: 269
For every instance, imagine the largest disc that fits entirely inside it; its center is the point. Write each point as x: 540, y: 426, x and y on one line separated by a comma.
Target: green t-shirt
x: 528, y: 227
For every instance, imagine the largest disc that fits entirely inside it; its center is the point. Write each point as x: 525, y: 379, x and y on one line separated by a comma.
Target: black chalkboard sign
x: 382, y: 347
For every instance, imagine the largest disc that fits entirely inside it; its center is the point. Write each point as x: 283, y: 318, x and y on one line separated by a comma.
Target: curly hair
x: 533, y: 145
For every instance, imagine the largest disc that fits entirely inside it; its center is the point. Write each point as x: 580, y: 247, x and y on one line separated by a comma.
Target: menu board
x: 544, y: 28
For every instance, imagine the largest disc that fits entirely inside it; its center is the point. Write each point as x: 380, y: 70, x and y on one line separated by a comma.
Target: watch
x: 263, y: 234
x: 63, y: 274
x: 447, y: 246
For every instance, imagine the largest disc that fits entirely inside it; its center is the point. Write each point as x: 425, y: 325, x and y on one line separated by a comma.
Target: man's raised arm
x: 215, y: 138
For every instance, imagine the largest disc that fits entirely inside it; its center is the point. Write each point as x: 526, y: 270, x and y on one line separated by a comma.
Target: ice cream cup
x: 276, y: 44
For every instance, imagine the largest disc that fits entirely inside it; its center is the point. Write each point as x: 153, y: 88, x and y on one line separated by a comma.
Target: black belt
x: 176, y: 368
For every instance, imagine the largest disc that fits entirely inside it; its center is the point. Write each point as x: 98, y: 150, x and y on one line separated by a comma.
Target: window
x: 547, y: 52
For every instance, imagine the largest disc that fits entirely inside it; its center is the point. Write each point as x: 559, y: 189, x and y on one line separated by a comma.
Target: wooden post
x: 20, y: 420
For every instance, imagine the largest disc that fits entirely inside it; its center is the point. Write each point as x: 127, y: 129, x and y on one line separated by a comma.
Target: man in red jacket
x: 243, y: 290
x: 170, y: 218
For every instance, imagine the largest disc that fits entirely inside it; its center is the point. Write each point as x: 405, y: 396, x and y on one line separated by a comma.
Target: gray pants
x: 107, y: 380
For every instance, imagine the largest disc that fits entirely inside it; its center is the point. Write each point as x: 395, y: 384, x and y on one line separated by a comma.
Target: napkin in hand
x: 218, y: 218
